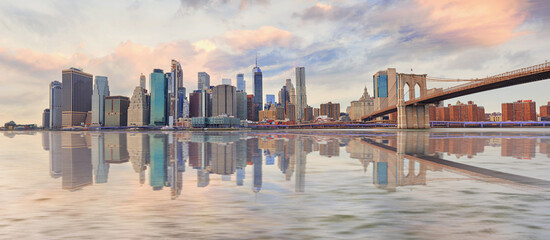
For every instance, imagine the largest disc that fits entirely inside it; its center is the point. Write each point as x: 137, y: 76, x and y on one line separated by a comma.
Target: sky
x: 341, y: 44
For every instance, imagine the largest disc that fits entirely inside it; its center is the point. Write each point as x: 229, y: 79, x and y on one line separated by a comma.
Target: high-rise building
x: 308, y: 114
x: 116, y: 111
x: 46, y: 118
x: 250, y: 110
x: 269, y: 99
x: 301, y: 97
x: 77, y: 96
x: 56, y: 100
x: 226, y: 81
x: 241, y: 83
x: 142, y: 81
x: 525, y: 110
x: 258, y: 88
x: 224, y: 100
x: 291, y: 91
x: 331, y: 110
x: 101, y: 90
x: 203, y: 81
x: 159, y: 98
x: 199, y: 104
x: 545, y: 110
x: 175, y: 82
x: 139, y: 110
x: 291, y: 112
x: 241, y: 105
x: 183, y: 104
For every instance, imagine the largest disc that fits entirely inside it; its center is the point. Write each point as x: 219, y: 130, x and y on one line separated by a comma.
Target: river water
x: 437, y: 184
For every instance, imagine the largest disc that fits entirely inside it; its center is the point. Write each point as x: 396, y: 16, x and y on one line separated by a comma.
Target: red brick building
x: 521, y: 110
x: 545, y: 110
x: 460, y: 113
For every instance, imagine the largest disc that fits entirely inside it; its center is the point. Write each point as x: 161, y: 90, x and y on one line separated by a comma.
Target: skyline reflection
x: 397, y: 159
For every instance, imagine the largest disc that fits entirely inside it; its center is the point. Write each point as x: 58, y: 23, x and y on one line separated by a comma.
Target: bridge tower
x: 412, y: 116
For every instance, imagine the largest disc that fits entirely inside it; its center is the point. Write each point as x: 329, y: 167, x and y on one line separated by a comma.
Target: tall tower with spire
x: 258, y: 89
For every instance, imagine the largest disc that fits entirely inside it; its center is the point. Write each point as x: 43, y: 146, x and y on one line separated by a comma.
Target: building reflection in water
x: 398, y: 158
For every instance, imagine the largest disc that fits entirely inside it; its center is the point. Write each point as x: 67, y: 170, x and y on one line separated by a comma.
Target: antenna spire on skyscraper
x: 256, y: 59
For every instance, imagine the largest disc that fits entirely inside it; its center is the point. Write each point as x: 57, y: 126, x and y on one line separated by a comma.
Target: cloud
x: 265, y: 36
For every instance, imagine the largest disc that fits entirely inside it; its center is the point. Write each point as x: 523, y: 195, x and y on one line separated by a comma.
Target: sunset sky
x: 341, y: 43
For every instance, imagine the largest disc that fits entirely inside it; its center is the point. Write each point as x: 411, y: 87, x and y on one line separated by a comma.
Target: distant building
x: 316, y: 112
x: 458, y: 113
x: 258, y: 89
x: 199, y: 104
x: 495, y: 117
x: 224, y: 100
x: 385, y: 92
x: 116, y: 111
x: 545, y: 110
x: 46, y: 118
x: 226, y: 81
x: 142, y: 81
x: 361, y: 107
x: 183, y: 103
x: 241, y: 83
x: 291, y: 112
x: 250, y: 109
x: 203, y: 81
x: 301, y: 97
x: 331, y: 110
x: 56, y: 100
x: 270, y: 99
x: 159, y: 98
x: 268, y: 114
x: 139, y: 110
x: 77, y: 96
x: 525, y: 110
x: 308, y: 114
x: 291, y: 91
x: 241, y: 105
x: 101, y: 90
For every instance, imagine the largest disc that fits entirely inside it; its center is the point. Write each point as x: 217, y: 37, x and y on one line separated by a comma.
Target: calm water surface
x: 466, y: 184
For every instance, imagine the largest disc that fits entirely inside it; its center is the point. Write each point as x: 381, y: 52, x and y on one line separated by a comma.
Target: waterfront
x: 336, y: 184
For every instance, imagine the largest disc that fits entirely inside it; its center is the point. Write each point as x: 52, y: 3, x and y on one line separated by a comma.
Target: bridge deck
x: 519, y: 76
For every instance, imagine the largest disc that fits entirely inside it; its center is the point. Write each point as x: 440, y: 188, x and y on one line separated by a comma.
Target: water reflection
x: 160, y: 159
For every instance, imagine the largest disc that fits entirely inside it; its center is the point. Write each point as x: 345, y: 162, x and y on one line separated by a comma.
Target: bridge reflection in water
x: 160, y: 159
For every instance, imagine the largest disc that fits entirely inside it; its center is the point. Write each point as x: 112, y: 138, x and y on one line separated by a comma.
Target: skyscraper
x: 175, y: 83
x: 204, y: 81
x: 77, y: 96
x: 56, y: 99
x: 241, y: 83
x: 116, y: 111
x: 159, y: 98
x: 241, y: 105
x: 269, y: 99
x: 138, y: 111
x: 224, y: 100
x: 291, y: 91
x: 101, y: 90
x: 46, y: 118
x: 183, y: 104
x: 226, y: 81
x: 301, y: 98
x: 258, y: 89
x: 142, y: 81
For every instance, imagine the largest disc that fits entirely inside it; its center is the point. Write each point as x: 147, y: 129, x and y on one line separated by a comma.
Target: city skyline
x: 352, y: 41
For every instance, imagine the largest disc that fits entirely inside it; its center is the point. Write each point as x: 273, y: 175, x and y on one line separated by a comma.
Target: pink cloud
x: 475, y: 22
x: 266, y: 36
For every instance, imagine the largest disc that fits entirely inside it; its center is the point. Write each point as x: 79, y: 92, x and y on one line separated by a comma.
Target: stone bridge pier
x: 412, y: 116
